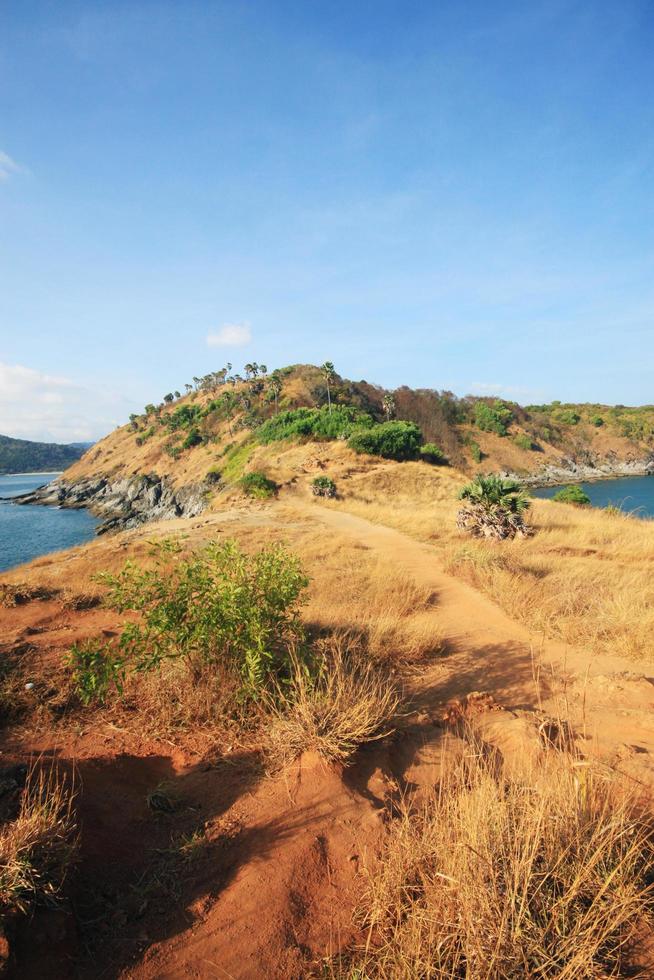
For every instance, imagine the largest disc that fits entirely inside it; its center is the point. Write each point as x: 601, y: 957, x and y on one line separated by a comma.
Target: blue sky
x: 441, y: 194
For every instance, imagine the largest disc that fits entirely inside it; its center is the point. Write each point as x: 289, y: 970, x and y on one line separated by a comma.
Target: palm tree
x: 275, y: 385
x: 388, y: 403
x: 494, y: 508
x: 329, y: 375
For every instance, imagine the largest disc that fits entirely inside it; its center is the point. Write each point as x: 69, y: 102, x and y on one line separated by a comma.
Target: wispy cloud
x: 231, y: 335
x: 34, y: 405
x: 8, y: 167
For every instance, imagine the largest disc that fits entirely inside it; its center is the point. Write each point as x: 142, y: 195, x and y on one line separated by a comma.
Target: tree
x: 150, y: 409
x: 177, y: 394
x: 494, y: 508
x: 189, y: 388
x: 169, y: 398
x: 388, y: 403
x: 329, y: 376
x: 263, y: 369
x: 275, y: 385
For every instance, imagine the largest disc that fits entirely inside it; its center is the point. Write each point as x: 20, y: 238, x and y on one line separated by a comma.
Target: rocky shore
x: 122, y: 503
x: 589, y: 468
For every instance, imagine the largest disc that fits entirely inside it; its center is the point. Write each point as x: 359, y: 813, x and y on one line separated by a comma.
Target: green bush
x: 218, y: 607
x: 431, y: 453
x: 567, y: 416
x: 213, y: 475
x: 96, y: 670
x: 313, y: 423
x: 475, y: 451
x: 492, y: 418
x: 257, y: 485
x: 323, y: 486
x: 523, y: 441
x: 572, y: 495
x: 193, y: 439
x: 391, y: 440
x: 183, y: 417
x: 596, y: 420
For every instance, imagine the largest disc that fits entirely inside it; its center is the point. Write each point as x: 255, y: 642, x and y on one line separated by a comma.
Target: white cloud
x: 231, y: 335
x: 50, y: 408
x: 7, y: 166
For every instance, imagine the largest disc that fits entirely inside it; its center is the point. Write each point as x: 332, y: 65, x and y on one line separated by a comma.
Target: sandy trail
x: 487, y: 650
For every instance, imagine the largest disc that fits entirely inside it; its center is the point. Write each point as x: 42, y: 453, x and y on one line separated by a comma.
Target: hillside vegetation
x: 24, y: 456
x: 212, y: 429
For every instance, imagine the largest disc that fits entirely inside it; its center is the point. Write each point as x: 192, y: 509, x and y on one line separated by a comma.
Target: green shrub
x: 572, y: 495
x: 257, y: 485
x: 313, y: 423
x: 391, y: 440
x: 492, y: 418
x: 173, y: 450
x: 193, y: 439
x: 323, y: 486
x: 475, y: 451
x: 566, y: 416
x: 596, y: 420
x: 432, y: 454
x: 523, y: 441
x: 213, y: 475
x: 183, y: 417
x: 218, y: 607
x: 96, y: 670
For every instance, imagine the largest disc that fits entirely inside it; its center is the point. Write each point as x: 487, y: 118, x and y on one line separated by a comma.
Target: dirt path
x: 607, y: 696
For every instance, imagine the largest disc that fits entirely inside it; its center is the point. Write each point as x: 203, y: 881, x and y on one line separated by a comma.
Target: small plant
x: 391, y: 440
x: 194, y: 438
x: 493, y: 418
x: 257, y: 485
x: 524, y: 441
x: 346, y: 703
x: 323, y: 486
x: 38, y: 847
x: 213, y: 476
x: 494, y: 507
x: 475, y: 451
x: 219, y: 607
x: 431, y: 453
x: 597, y: 421
x: 97, y: 670
x: 572, y: 494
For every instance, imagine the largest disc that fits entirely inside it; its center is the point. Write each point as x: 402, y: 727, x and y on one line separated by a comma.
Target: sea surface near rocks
x: 29, y: 531
x: 633, y: 494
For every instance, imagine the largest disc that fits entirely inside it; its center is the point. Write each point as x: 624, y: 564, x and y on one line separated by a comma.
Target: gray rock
x: 125, y: 502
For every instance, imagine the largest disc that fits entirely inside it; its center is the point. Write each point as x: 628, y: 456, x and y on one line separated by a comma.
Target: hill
x: 217, y: 426
x: 24, y: 456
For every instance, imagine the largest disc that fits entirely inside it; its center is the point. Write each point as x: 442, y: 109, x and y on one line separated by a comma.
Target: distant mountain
x: 22, y: 456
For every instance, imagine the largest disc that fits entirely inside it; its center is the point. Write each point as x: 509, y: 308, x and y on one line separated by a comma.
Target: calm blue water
x: 27, y: 532
x: 631, y: 493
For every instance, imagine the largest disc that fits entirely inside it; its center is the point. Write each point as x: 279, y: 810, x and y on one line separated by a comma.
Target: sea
x: 29, y: 531
x: 633, y: 494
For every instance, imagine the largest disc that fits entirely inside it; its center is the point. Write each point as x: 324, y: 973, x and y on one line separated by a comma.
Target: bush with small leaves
x: 432, y: 454
x: 524, y: 441
x: 257, y: 485
x: 323, y: 486
x: 219, y: 607
x: 391, y: 440
x: 97, y: 670
x: 572, y: 494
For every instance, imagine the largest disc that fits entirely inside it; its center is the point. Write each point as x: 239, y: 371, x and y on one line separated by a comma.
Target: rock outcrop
x: 588, y: 467
x: 124, y: 502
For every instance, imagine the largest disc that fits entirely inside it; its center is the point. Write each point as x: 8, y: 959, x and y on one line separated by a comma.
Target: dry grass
x: 501, y: 879
x: 39, y: 845
x: 349, y: 703
x: 175, y: 699
x: 583, y: 578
